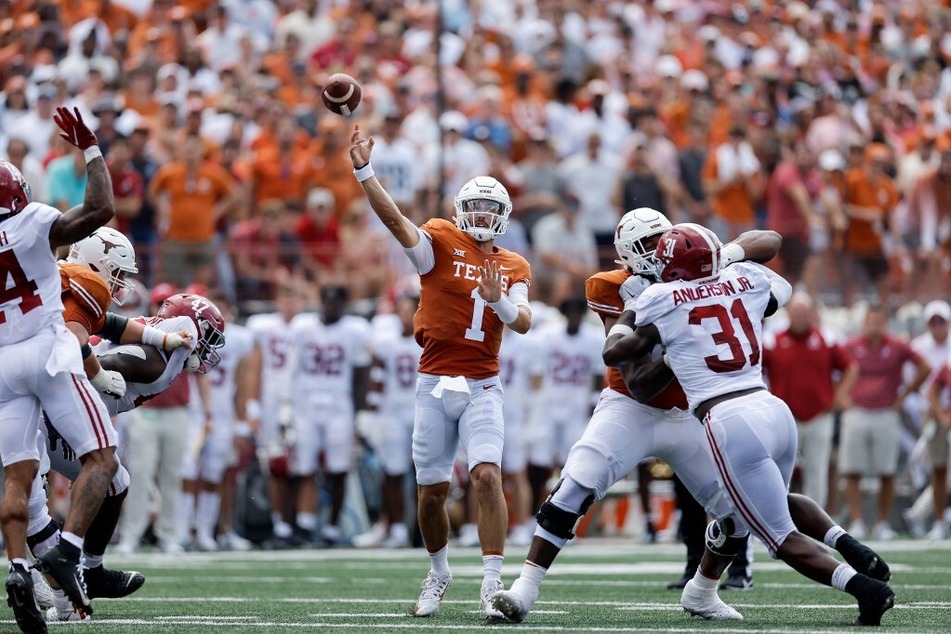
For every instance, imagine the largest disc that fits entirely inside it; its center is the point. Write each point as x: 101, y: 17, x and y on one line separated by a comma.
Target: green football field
x: 596, y: 586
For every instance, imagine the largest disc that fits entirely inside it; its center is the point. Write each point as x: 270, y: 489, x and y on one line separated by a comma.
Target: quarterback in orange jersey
x: 469, y: 291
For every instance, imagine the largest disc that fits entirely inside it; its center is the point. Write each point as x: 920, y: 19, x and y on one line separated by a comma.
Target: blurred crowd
x: 828, y: 121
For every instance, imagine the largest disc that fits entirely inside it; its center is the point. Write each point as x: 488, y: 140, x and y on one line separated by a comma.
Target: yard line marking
x: 818, y: 606
x: 205, y: 618
x: 416, y: 625
x: 178, y: 579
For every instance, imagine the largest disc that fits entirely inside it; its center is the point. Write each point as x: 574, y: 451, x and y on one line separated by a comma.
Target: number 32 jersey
x: 326, y: 355
x: 459, y: 334
x: 712, y: 330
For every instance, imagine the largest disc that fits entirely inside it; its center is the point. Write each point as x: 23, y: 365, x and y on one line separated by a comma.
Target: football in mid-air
x: 342, y: 94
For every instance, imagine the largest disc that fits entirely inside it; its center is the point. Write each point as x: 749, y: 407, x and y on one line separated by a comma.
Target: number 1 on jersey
x: 474, y: 331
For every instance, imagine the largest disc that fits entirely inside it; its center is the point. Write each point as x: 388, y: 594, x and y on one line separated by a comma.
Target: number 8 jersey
x: 459, y: 334
x: 712, y: 329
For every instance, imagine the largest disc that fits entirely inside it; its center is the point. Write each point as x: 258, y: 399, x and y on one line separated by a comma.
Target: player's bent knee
x: 486, y: 477
x: 590, y: 468
x: 120, y: 482
x: 723, y: 539
x: 558, y: 520
x: 104, y: 460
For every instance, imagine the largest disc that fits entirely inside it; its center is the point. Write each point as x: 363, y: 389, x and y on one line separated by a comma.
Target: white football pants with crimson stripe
x: 753, y: 441
x: 71, y: 404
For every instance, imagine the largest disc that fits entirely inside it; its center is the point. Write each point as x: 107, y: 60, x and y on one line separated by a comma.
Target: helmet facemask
x: 638, y: 255
x: 482, y: 218
x: 210, y: 340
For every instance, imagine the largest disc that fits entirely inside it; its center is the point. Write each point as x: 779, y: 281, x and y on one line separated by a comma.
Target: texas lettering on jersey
x: 459, y: 334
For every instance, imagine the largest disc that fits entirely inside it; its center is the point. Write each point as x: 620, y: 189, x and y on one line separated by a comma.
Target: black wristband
x: 87, y: 350
x: 114, y: 327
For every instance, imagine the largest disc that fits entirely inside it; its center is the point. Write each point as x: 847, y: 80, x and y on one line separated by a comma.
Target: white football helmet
x: 481, y: 196
x: 635, y: 227
x: 110, y: 255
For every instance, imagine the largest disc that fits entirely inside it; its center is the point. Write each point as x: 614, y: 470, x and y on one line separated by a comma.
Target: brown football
x: 342, y: 94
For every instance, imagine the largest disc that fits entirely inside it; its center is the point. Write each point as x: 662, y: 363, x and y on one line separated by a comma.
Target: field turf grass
x: 596, y: 586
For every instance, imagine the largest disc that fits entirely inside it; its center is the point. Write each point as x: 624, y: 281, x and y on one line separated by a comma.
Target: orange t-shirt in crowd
x: 602, y: 290
x: 860, y: 236
x: 459, y: 334
x: 86, y: 297
x: 279, y: 179
x: 192, y: 200
x: 732, y: 203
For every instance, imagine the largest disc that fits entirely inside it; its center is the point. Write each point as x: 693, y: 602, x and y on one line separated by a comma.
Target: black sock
x: 104, y: 524
x: 861, y: 586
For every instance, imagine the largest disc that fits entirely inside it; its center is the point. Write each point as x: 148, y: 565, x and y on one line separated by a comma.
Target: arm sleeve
x: 422, y: 255
x: 779, y: 288
x: 518, y: 293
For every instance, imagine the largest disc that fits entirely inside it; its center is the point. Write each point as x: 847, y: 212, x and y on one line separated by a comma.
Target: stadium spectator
x: 733, y: 181
x: 592, y: 176
x: 870, y: 198
x: 934, y: 345
x: 790, y: 194
x: 869, y: 444
x: 191, y: 194
x: 691, y: 160
x: 639, y: 185
x: 127, y: 186
x: 812, y: 396
x: 926, y: 213
x: 18, y: 153
x: 318, y: 231
x: 66, y: 180
x: 263, y: 244
x: 566, y: 253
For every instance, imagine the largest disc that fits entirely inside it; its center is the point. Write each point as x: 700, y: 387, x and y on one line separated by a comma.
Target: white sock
x: 705, y: 584
x: 307, y: 521
x: 491, y: 568
x: 281, y: 528
x: 186, y: 517
x: 533, y: 574
x: 21, y: 562
x: 73, y: 539
x: 91, y: 561
x: 832, y: 535
x: 399, y: 531
x: 842, y: 575
x: 439, y: 561
x: 209, y: 504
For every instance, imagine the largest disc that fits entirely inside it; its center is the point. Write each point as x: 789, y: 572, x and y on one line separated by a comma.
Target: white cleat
x: 205, y: 543
x: 489, y: 590
x: 373, y: 538
x: 69, y: 615
x: 42, y: 590
x: 516, y: 602
x: 232, y: 541
x: 709, y: 607
x: 434, y: 589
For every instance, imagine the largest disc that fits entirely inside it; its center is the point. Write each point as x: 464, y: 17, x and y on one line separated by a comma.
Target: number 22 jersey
x: 712, y: 330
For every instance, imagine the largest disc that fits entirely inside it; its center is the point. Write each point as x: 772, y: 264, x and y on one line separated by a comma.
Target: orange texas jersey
x: 86, y: 297
x: 602, y: 292
x: 459, y: 334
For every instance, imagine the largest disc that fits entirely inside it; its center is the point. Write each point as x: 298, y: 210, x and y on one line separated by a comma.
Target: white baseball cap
x: 831, y: 160
x: 938, y: 308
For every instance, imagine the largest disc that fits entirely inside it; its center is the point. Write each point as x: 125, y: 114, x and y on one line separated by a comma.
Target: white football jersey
x: 326, y: 355
x: 397, y: 167
x: 520, y: 358
x: 713, y: 330
x: 29, y: 277
x: 570, y: 362
x: 222, y: 379
x: 399, y: 359
x: 274, y: 338
x: 137, y: 393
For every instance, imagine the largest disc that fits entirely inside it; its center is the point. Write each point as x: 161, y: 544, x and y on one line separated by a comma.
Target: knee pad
x: 561, y: 522
x: 721, y: 540
x: 120, y: 481
x: 46, y: 538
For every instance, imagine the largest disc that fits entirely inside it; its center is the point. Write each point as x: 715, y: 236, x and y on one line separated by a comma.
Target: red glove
x: 74, y: 129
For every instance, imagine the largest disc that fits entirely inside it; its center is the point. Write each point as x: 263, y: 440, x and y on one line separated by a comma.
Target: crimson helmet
x: 688, y: 251
x: 208, y: 321
x: 15, y: 192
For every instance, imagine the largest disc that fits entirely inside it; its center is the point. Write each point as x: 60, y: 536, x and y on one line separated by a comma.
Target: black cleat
x: 61, y: 562
x: 874, y: 605
x: 21, y: 599
x: 863, y: 558
x: 737, y: 582
x: 102, y: 583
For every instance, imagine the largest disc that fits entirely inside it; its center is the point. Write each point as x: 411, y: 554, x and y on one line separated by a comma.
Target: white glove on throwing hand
x: 109, y: 382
